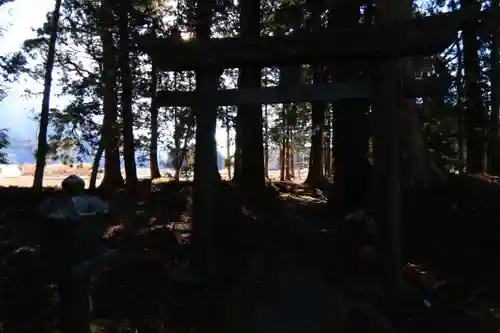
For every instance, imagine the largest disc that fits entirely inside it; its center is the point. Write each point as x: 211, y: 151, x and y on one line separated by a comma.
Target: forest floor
x: 27, y: 181
x: 56, y: 179
x: 285, y: 263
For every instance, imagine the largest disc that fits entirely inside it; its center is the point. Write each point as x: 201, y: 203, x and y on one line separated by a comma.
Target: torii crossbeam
x: 360, y: 89
x: 414, y: 37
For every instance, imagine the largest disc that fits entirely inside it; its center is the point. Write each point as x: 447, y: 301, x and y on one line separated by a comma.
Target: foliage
x: 11, y: 66
x: 4, y: 143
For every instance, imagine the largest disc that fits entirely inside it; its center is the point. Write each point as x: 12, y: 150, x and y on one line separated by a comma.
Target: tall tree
x: 475, y: 112
x: 494, y: 144
x: 42, y: 147
x: 124, y: 9
x: 250, y: 116
x: 315, y: 176
x: 153, y: 146
x: 110, y: 130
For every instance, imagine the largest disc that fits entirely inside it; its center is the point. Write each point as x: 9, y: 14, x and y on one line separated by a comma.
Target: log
x: 415, y: 37
x: 298, y: 93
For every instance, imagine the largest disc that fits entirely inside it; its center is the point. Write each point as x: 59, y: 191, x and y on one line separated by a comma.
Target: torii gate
x: 383, y: 44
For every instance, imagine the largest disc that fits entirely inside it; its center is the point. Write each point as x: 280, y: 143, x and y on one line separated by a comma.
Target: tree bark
x: 250, y: 116
x: 316, y: 176
x: 266, y: 142
x: 494, y: 146
x: 328, y: 145
x: 238, y: 137
x: 291, y: 157
x: 126, y: 98
x: 282, y: 159
x: 460, y: 95
x: 110, y: 132
x: 42, y: 148
x: 95, y: 165
x: 227, y: 160
x: 153, y: 147
x: 475, y: 112
x: 287, y: 144
x: 177, y: 137
x: 289, y: 76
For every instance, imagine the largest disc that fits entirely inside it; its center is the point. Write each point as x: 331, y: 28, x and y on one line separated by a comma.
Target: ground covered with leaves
x: 284, y: 263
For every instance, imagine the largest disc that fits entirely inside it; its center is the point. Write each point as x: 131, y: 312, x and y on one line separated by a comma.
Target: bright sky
x: 16, y: 111
x: 18, y: 18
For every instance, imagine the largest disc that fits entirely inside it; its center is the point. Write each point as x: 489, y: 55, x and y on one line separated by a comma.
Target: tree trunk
x: 460, y: 106
x: 42, y: 148
x: 177, y: 162
x: 328, y: 145
x: 287, y: 152
x: 182, y: 151
x: 177, y: 136
x: 289, y: 76
x: 153, y: 147
x: 315, y: 176
x: 110, y: 131
x: 95, y: 165
x: 475, y: 112
x: 282, y: 159
x: 250, y: 116
x: 266, y: 142
x: 418, y: 166
x: 126, y: 98
x: 227, y: 160
x: 494, y: 146
x: 238, y: 137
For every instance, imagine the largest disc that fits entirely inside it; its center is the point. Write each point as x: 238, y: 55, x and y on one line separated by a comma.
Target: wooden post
x: 387, y: 100
x: 386, y: 104
x: 205, y: 150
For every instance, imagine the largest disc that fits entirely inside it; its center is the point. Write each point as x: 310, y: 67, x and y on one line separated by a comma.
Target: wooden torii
x: 415, y: 37
x: 382, y: 44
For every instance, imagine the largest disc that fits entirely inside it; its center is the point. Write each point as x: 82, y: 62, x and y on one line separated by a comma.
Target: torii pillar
x: 387, y: 104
